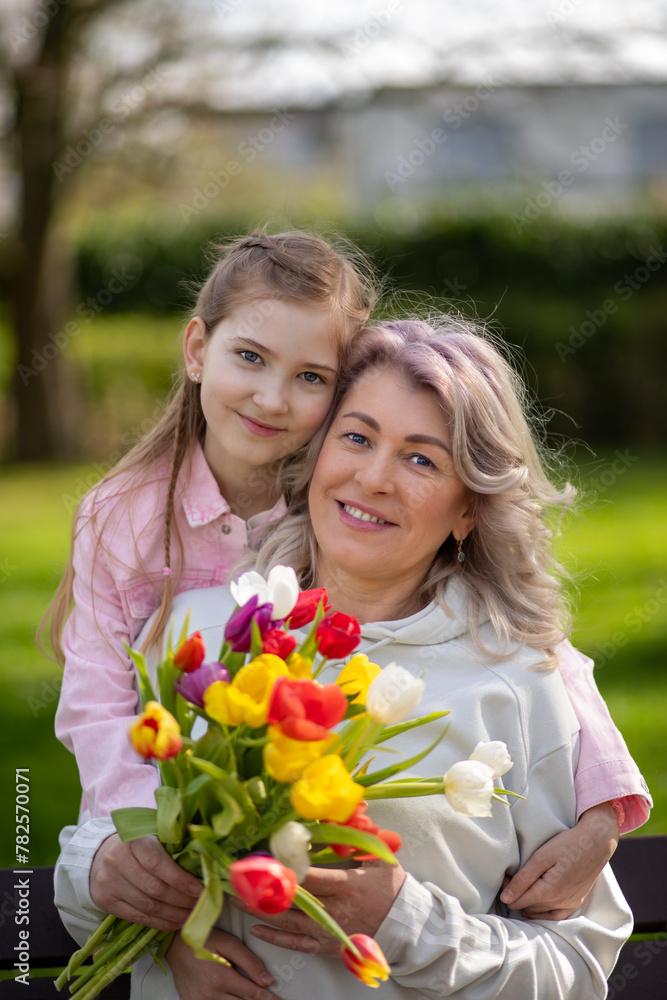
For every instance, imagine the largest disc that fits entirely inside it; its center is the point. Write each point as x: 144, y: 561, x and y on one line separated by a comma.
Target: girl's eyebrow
x: 409, y: 438
x: 263, y: 349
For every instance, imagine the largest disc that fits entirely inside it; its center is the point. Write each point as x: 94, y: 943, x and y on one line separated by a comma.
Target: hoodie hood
x: 430, y: 626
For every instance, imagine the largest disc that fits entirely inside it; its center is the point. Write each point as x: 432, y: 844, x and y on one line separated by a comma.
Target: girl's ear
x: 194, y: 341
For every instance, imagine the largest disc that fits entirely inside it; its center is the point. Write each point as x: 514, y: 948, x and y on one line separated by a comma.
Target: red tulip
x: 263, y: 884
x: 360, y: 821
x: 306, y: 606
x: 190, y: 654
x: 337, y: 634
x: 371, y: 965
x: 278, y: 642
x: 304, y: 709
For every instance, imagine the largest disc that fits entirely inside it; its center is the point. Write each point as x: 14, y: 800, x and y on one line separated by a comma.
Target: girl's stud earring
x: 195, y: 376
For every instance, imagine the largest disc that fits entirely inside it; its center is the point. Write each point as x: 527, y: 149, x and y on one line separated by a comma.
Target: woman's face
x: 384, y: 495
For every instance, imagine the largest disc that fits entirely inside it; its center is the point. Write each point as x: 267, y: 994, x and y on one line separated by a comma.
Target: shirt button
x: 225, y: 529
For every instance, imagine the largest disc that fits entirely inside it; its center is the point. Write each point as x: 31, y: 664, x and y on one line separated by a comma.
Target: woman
x: 426, y: 459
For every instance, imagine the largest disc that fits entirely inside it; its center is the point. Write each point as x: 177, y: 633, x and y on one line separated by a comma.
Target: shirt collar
x: 201, y: 498
x: 203, y: 502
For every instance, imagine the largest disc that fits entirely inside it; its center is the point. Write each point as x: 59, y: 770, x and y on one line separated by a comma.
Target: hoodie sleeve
x: 439, y: 950
x: 606, y: 771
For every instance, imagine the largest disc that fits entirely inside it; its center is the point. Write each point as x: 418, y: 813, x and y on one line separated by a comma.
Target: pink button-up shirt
x: 113, y: 600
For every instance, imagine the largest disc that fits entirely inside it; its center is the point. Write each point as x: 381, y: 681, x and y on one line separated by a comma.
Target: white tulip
x: 393, y: 695
x: 284, y: 590
x: 495, y: 754
x: 289, y: 845
x: 281, y: 590
x: 250, y: 585
x: 469, y: 787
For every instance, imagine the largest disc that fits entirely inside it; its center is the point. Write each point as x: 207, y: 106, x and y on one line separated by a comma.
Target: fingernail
x: 507, y: 896
x: 265, y: 979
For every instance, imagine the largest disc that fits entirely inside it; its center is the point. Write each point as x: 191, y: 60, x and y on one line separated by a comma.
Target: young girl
x: 261, y: 354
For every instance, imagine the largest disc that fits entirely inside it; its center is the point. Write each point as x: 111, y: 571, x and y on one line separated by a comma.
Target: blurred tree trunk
x: 39, y: 304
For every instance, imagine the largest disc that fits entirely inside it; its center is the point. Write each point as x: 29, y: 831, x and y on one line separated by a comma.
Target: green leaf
x: 134, y: 822
x: 224, y: 822
x: 314, y: 909
x: 146, y: 692
x: 169, y: 815
x: 207, y: 909
x: 388, y: 772
x: 332, y: 833
x: 402, y: 727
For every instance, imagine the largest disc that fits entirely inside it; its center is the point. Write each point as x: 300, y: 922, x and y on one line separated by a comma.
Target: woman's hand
x: 555, y: 881
x: 357, y: 898
x: 196, y: 979
x: 138, y: 881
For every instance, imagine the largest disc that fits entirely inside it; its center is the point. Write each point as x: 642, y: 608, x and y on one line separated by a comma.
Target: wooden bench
x: 640, y: 864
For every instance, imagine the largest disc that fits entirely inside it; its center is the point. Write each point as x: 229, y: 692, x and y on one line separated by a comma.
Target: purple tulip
x: 193, y: 685
x: 238, y: 630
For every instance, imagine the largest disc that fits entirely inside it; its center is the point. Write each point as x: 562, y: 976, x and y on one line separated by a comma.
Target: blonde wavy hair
x: 509, y: 570
x: 294, y: 266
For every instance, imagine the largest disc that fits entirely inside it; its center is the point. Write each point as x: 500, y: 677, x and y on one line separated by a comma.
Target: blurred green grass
x: 617, y: 549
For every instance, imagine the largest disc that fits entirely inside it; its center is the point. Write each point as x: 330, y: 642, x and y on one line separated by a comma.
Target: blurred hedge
x: 582, y: 302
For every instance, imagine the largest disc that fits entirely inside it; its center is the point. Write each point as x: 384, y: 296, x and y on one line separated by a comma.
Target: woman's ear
x: 194, y: 341
x: 466, y: 522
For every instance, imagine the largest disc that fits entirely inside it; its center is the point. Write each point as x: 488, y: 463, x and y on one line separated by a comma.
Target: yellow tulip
x: 156, y: 733
x: 299, y: 666
x: 325, y: 790
x: 246, y: 698
x: 285, y: 759
x: 357, y: 676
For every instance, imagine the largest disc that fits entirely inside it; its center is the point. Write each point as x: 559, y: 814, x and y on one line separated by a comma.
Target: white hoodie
x: 446, y: 933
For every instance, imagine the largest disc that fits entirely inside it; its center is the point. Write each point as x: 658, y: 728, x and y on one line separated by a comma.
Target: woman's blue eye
x: 423, y: 461
x: 251, y: 356
x: 355, y: 437
x: 312, y: 377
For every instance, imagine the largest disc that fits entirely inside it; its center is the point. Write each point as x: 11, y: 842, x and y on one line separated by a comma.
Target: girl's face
x: 268, y: 373
x: 384, y: 495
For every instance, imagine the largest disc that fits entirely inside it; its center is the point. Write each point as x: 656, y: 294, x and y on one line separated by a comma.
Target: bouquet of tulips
x: 268, y: 775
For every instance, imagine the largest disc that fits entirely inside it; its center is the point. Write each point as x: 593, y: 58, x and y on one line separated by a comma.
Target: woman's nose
x: 375, y: 474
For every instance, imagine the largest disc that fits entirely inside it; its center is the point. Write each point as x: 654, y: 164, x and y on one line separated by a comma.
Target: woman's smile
x: 362, y: 517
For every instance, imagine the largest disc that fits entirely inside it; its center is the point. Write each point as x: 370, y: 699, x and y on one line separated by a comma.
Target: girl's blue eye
x: 251, y: 356
x: 311, y: 377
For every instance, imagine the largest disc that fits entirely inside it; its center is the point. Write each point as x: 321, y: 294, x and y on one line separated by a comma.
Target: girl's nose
x: 272, y: 397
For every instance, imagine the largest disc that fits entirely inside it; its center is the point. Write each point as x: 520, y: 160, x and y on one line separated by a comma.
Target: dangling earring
x: 195, y: 376
x: 461, y: 556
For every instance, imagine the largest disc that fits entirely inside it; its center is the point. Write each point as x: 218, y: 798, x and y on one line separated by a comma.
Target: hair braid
x: 181, y: 439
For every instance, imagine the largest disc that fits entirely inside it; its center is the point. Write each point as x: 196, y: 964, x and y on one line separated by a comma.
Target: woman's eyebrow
x: 409, y: 438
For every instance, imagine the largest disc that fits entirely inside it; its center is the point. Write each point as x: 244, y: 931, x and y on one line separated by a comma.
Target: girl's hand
x: 357, y: 898
x: 558, y: 877
x: 196, y: 979
x: 138, y: 881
